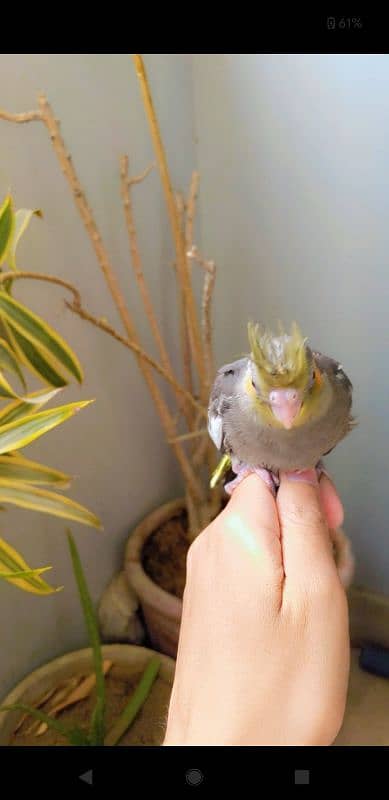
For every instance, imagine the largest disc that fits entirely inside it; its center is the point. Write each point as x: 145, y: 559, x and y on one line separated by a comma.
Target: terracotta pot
x: 161, y: 610
x: 129, y: 657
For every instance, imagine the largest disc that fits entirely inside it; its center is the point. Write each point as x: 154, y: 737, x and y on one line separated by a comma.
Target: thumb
x: 306, y: 544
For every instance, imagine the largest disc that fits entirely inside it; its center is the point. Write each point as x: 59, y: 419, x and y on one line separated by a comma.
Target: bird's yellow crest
x: 280, y: 359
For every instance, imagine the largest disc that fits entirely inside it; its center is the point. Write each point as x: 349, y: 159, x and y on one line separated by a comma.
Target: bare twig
x: 191, y: 210
x: 138, y: 350
x: 194, y: 255
x: 191, y: 435
x: 38, y: 276
x: 206, y: 322
x: 45, y: 114
x: 126, y: 183
x: 209, y: 285
x: 26, y: 116
x: 184, y: 334
x: 204, y: 450
x: 188, y: 298
x: 86, y: 214
x: 131, y: 181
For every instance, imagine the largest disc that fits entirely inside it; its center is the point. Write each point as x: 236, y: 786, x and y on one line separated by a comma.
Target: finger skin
x: 306, y: 543
x: 250, y: 521
x: 331, y: 503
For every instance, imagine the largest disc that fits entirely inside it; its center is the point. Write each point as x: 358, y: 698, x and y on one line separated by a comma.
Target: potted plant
x: 29, y: 345
x: 156, y: 551
x: 117, y: 694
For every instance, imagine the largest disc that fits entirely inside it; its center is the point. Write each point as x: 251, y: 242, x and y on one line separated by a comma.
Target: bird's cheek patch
x: 318, y: 377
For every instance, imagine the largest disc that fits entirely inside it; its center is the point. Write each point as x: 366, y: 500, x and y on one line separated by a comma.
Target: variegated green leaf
x: 22, y: 408
x: 6, y: 389
x: 27, y: 496
x: 18, y: 434
x: 39, y: 333
x: 7, y: 222
x: 33, y: 357
x: 18, y: 468
x: 15, y: 570
x: 9, y: 362
x: 23, y: 218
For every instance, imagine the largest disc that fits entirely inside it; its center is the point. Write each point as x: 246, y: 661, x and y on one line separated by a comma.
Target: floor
x: 366, y: 720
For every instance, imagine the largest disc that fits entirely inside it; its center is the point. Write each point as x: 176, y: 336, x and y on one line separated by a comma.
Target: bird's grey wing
x: 342, y: 383
x: 223, y: 391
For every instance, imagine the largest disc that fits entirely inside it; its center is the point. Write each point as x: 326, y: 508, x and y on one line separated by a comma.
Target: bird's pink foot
x: 242, y: 471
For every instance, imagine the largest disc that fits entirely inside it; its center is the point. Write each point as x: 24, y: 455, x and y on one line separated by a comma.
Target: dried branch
x: 194, y: 486
x: 184, y: 335
x: 206, y: 322
x: 40, y: 276
x: 45, y: 114
x: 191, y: 210
x: 187, y: 294
x: 209, y: 285
x: 139, y: 178
x: 93, y: 232
x: 192, y: 435
x: 194, y: 255
x: 204, y: 451
x: 138, y: 350
x: 26, y: 116
x: 126, y: 183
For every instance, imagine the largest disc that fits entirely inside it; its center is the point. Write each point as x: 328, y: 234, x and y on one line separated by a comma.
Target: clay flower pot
x: 161, y: 610
x: 128, y: 659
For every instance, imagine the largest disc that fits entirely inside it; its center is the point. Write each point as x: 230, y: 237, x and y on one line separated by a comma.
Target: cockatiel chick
x: 281, y: 408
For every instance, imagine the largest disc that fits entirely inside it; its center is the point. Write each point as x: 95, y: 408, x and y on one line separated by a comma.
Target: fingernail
x: 302, y: 476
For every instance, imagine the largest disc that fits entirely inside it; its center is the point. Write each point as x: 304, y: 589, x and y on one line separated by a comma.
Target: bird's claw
x: 270, y: 478
x: 243, y: 471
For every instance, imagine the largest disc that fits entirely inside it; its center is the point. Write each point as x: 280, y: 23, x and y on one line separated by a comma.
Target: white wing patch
x: 215, y: 429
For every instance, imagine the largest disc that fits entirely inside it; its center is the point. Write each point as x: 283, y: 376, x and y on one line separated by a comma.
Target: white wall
x: 294, y: 156
x: 115, y: 446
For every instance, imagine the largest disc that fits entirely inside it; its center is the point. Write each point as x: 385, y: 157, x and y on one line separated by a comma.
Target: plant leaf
x: 7, y: 222
x: 33, y: 357
x: 27, y: 496
x: 97, y: 727
x: 23, y: 408
x: 69, y: 734
x: 38, y: 332
x: 135, y: 702
x: 9, y: 362
x: 6, y: 389
x: 21, y: 432
x: 19, y: 468
x: 12, y: 567
x: 23, y: 218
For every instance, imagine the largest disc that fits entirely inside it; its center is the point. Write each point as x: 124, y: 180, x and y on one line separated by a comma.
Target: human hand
x: 263, y: 656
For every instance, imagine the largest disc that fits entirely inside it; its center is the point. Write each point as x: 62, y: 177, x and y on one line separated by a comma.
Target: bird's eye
x: 253, y: 384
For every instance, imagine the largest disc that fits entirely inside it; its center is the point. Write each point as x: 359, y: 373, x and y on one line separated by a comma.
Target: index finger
x: 250, y: 521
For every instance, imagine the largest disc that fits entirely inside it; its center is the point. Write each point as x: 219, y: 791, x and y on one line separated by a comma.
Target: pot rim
x: 108, y: 650
x: 143, y: 585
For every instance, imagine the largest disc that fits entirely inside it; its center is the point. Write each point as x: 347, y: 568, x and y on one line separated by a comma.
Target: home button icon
x: 194, y: 777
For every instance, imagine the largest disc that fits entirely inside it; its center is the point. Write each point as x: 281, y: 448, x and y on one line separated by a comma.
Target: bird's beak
x: 285, y: 405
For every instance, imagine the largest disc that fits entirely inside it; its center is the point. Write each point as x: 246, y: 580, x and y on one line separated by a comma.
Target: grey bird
x: 283, y: 407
